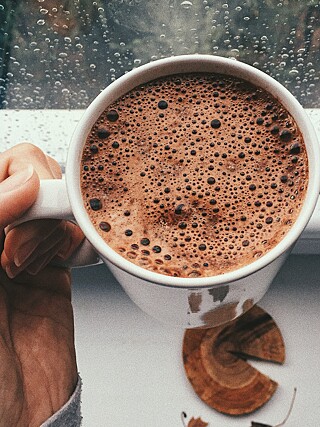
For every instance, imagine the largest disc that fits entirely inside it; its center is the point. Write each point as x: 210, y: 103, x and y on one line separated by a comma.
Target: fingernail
x: 17, y: 179
x: 38, y: 265
x: 11, y: 272
x: 64, y: 250
x: 24, y: 252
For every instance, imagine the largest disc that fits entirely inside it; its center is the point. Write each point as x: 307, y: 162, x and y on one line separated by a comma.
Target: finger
x: 61, y: 251
x: 34, y: 267
x: 17, y: 157
x: 35, y: 263
x: 42, y: 244
x: 37, y: 243
x: 40, y: 258
x: 22, y: 241
x: 20, y: 169
x: 54, y: 167
x: 73, y: 238
x: 18, y: 191
x: 42, y: 261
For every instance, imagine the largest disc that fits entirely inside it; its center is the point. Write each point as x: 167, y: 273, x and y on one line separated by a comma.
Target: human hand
x: 38, y: 371
x: 38, y: 368
x: 31, y: 245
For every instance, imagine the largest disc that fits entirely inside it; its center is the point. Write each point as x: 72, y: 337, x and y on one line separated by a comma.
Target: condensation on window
x: 59, y: 54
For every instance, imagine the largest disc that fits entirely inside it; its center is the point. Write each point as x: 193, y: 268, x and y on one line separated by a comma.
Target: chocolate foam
x: 194, y: 175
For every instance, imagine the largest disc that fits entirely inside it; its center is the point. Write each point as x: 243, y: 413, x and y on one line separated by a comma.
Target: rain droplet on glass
x: 186, y: 4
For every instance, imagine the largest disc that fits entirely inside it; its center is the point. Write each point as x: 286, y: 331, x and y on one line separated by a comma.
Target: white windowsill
x: 51, y: 130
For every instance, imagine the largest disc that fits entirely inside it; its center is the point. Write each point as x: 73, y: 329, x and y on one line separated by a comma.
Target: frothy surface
x: 194, y: 175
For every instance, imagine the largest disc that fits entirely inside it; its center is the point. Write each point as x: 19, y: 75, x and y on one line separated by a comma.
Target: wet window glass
x: 59, y: 54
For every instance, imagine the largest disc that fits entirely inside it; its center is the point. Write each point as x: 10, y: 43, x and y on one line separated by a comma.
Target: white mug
x: 184, y: 302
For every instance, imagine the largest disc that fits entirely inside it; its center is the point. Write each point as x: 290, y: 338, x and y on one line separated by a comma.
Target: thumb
x: 17, y: 193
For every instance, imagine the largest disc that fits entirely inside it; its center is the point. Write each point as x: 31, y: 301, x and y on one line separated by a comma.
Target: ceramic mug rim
x: 175, y: 65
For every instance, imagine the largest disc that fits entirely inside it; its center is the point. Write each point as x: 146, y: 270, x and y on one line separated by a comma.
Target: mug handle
x: 53, y: 202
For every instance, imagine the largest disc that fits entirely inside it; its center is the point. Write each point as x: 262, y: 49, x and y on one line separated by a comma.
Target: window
x: 57, y: 55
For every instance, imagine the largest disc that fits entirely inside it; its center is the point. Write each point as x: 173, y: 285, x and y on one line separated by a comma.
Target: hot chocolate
x: 194, y: 174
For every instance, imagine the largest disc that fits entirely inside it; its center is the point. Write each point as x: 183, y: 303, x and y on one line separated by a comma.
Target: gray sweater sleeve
x: 70, y: 414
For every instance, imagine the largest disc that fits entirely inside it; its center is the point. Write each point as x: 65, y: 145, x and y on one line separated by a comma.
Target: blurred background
x: 59, y: 54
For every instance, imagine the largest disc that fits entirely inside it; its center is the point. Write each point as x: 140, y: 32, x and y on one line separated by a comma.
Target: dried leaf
x: 215, y: 362
x: 194, y: 422
x: 197, y: 422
